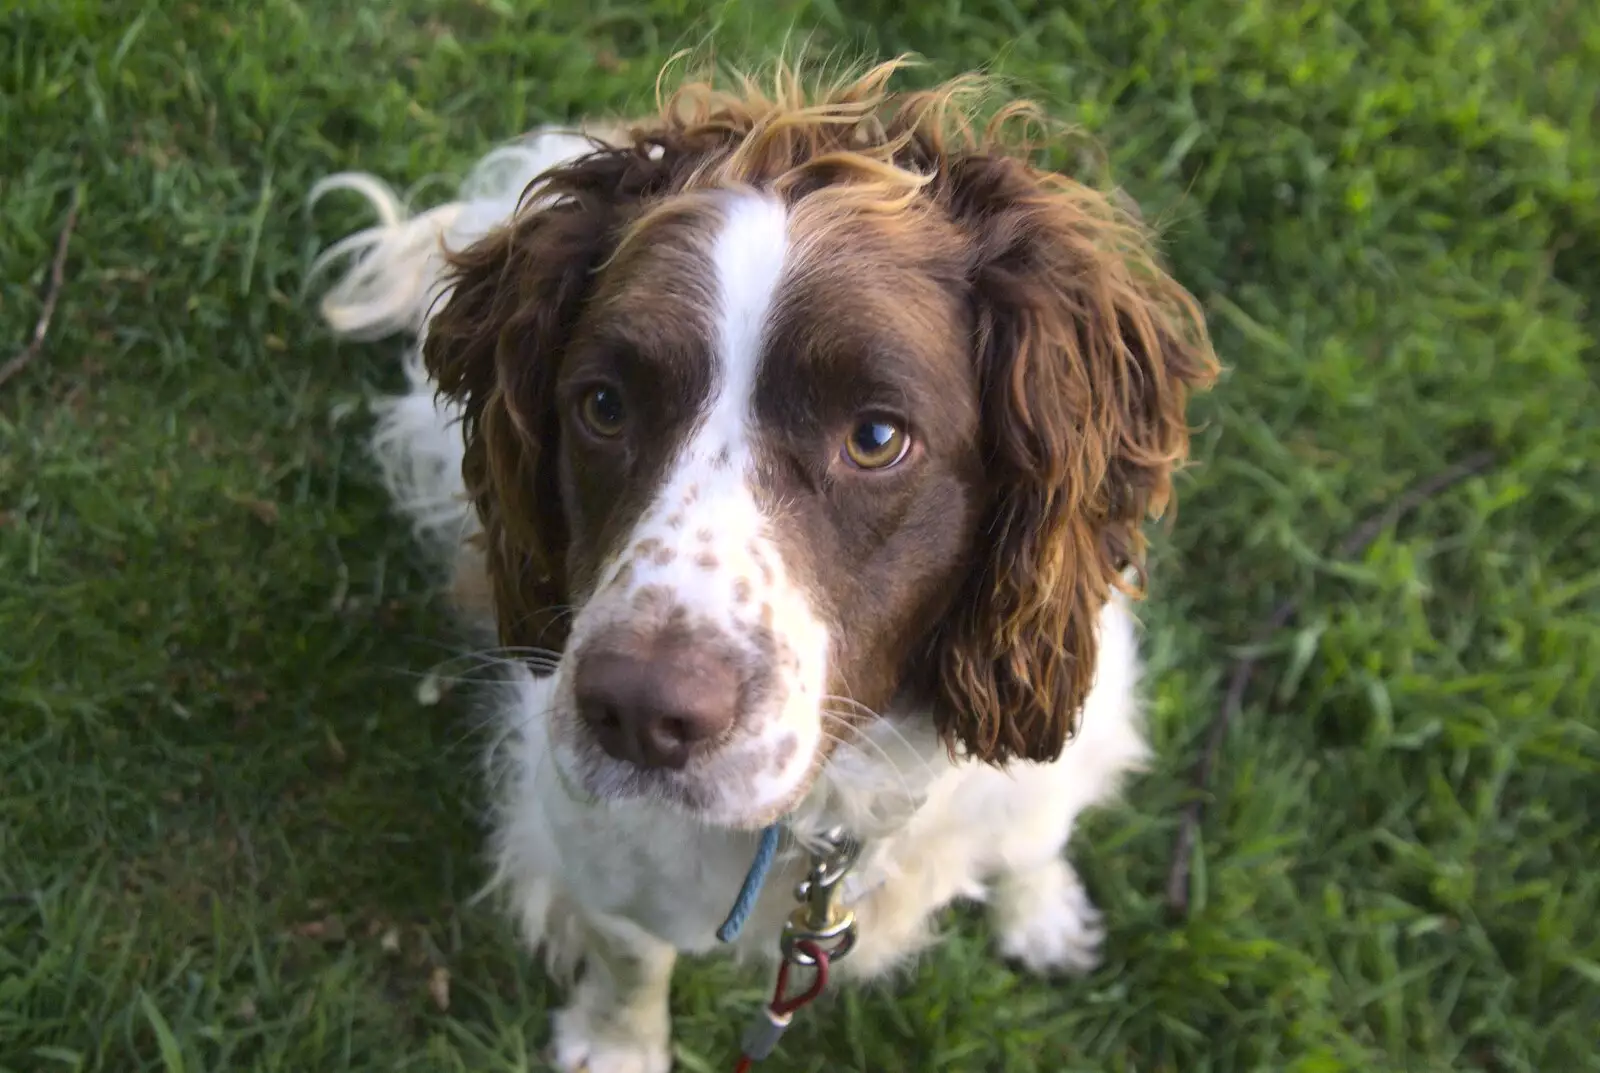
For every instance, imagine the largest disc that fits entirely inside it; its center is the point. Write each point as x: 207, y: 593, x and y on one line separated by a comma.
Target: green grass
x: 219, y: 796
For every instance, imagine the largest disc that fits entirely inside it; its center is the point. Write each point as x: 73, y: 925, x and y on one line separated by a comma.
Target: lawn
x: 231, y: 838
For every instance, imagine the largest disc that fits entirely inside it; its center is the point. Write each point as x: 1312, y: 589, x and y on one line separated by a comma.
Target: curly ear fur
x: 494, y: 347
x: 1087, y: 352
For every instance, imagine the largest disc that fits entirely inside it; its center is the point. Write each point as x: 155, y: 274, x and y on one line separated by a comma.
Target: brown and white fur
x: 644, y: 400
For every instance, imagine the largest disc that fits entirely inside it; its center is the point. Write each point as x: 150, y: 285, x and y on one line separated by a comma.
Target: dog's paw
x: 580, y: 1046
x: 1046, y: 921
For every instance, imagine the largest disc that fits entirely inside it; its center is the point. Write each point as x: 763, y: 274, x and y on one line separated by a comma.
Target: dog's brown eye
x: 602, y: 412
x: 876, y: 444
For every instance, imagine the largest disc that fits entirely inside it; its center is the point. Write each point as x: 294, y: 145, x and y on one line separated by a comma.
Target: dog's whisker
x: 508, y: 730
x: 507, y: 657
x: 434, y: 676
x: 855, y: 705
x: 550, y: 614
x: 875, y: 719
x: 877, y: 723
x: 512, y: 652
x: 473, y: 661
x: 865, y: 740
x: 857, y: 743
x: 459, y: 650
x: 472, y: 665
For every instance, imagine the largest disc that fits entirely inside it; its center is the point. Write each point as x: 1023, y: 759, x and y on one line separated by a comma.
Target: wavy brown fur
x: 1086, y: 350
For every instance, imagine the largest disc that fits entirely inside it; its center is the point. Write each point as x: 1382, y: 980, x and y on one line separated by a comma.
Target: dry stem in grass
x: 52, y: 294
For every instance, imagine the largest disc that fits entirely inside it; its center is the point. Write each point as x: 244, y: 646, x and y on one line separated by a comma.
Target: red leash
x: 763, y: 1035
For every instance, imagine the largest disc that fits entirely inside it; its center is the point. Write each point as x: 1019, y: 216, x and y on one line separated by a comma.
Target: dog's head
x: 802, y: 403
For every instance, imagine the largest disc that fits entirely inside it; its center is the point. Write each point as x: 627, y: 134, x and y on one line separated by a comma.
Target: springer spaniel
x: 797, y: 442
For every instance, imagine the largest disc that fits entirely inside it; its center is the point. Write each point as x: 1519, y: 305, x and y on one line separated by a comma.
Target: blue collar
x: 754, y: 880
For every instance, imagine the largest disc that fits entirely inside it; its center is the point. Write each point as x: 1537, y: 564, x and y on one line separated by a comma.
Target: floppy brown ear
x: 1087, y: 353
x: 495, y: 346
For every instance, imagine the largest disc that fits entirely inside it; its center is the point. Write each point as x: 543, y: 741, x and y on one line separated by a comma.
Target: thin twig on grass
x: 52, y: 294
x: 1358, y: 540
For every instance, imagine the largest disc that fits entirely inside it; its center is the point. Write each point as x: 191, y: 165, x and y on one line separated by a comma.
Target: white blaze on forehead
x: 709, y: 481
x: 747, y: 260
x: 703, y: 538
x: 703, y: 549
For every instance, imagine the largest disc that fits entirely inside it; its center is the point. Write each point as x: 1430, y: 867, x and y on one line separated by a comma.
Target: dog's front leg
x: 617, y: 1020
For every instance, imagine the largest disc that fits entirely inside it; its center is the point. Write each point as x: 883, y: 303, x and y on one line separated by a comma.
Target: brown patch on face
x: 759, y: 689
x: 741, y: 591
x: 675, y: 520
x: 763, y: 566
x: 652, y: 600
x: 767, y: 616
x: 874, y: 324
x: 647, y: 547
x: 759, y: 555
x: 705, y: 535
x: 705, y: 560
x: 721, y: 459
x: 783, y: 752
x: 644, y: 333
x: 624, y: 574
x: 1040, y: 364
x: 540, y: 310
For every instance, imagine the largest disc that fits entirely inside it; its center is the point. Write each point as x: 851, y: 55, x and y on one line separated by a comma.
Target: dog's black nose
x: 657, y: 709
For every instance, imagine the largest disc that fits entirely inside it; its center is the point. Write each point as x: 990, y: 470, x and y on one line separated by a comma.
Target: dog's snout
x: 656, y: 709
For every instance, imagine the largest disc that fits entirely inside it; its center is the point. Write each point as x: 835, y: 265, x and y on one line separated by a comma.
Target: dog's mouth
x: 745, y: 784
x: 603, y: 778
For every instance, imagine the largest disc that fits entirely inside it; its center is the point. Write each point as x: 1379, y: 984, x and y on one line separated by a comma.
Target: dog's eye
x: 602, y: 412
x: 876, y: 443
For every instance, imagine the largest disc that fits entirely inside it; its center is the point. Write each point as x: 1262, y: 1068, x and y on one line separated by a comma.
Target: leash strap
x: 750, y: 890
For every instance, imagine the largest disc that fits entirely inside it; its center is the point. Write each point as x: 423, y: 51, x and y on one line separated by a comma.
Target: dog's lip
x: 684, y: 790
x: 668, y: 788
x: 589, y: 761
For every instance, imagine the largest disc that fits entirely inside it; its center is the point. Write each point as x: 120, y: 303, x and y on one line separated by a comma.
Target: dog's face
x: 773, y: 418
x: 770, y: 476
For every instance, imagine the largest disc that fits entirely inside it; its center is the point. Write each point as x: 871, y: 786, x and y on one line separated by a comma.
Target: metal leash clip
x: 819, y: 919
x: 816, y: 934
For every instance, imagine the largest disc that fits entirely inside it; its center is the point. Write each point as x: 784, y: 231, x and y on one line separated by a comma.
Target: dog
x: 796, y: 442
